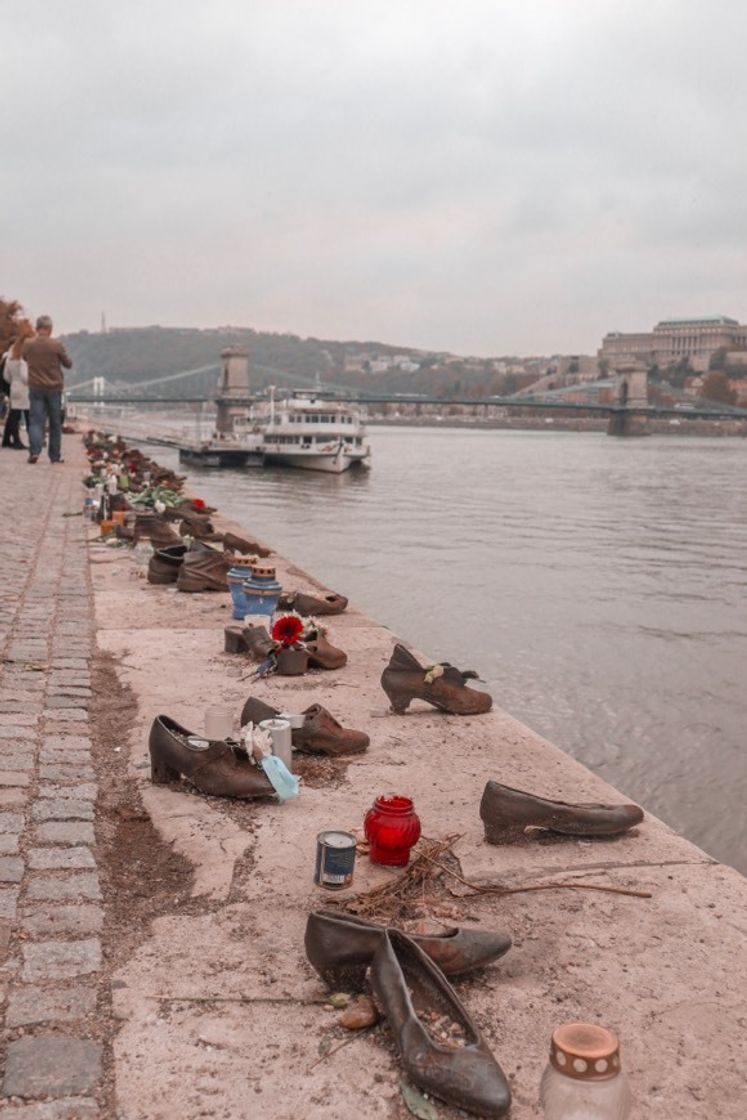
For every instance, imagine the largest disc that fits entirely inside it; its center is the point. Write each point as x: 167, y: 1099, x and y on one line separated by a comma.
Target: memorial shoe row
x: 440, y: 1047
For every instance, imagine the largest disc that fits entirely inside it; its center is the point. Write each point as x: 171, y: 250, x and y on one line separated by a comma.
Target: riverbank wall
x: 205, y: 1004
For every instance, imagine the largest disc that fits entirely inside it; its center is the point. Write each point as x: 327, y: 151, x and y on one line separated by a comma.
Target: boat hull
x: 333, y: 463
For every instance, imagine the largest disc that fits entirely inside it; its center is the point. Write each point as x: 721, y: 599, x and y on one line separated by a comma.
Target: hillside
x: 128, y: 356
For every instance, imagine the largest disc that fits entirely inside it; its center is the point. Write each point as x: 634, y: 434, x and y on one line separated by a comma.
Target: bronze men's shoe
x: 507, y: 814
x: 240, y: 544
x: 341, y: 946
x: 164, y: 564
x: 313, y: 605
x: 443, y: 686
x: 320, y: 734
x: 204, y: 569
x: 323, y: 655
x: 201, y: 528
x: 413, y: 992
x: 161, y: 534
x: 213, y: 767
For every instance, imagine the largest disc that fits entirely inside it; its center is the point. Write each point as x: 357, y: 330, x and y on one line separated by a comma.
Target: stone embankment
x: 173, y: 983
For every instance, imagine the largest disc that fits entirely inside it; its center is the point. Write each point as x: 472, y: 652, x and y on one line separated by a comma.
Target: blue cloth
x: 282, y: 781
x: 45, y: 403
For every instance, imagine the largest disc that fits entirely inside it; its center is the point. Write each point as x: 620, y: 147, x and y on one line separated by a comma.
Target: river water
x: 598, y: 585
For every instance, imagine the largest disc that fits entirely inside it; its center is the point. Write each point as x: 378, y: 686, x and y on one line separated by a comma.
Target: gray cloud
x: 484, y: 177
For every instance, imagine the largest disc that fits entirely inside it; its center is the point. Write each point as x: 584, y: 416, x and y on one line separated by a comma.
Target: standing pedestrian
x: 45, y: 356
x: 17, y: 375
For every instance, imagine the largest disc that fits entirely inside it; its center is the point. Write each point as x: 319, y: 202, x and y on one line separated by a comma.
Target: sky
x: 485, y: 177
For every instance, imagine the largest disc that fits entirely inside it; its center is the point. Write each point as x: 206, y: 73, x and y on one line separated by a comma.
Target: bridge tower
x: 629, y: 416
x: 233, y: 387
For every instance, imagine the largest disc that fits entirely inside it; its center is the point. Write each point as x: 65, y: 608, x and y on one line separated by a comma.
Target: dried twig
x: 536, y: 886
x: 343, y: 1044
x: 241, y: 999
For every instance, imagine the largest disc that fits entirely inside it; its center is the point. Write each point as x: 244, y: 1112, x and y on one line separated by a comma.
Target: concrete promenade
x: 153, y: 937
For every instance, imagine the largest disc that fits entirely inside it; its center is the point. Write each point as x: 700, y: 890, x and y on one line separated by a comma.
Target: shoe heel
x: 399, y: 703
x: 345, y: 979
x: 161, y: 773
x: 233, y: 640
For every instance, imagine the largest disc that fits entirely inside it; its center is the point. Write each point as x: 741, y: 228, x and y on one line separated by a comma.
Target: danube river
x: 598, y: 585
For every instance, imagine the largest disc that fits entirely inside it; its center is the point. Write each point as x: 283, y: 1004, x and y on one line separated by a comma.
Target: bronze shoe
x: 213, y: 767
x: 507, y: 814
x: 404, y: 680
x: 204, y: 569
x: 411, y: 991
x: 323, y: 655
x: 164, y: 564
x: 313, y: 605
x: 341, y: 946
x: 200, y: 530
x: 160, y: 534
x: 321, y: 733
x: 249, y: 639
x: 232, y: 543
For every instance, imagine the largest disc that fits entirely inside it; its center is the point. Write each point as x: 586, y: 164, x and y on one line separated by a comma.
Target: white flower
x: 159, y: 506
x: 433, y: 672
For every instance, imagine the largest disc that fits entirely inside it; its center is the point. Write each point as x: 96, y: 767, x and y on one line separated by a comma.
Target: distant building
x: 672, y: 340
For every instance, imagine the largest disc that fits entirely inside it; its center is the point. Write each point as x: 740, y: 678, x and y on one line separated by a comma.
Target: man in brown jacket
x: 45, y: 357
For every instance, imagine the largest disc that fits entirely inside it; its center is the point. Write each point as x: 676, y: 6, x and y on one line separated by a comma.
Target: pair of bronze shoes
x: 408, y: 980
x: 441, y: 685
x: 318, y: 653
x: 510, y: 815
x: 214, y: 767
x: 321, y: 733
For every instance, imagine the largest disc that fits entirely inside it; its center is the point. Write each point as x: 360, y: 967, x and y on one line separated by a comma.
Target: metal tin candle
x: 392, y: 827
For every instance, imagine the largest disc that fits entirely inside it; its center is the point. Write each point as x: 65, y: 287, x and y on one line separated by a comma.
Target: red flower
x: 198, y: 503
x: 287, y: 630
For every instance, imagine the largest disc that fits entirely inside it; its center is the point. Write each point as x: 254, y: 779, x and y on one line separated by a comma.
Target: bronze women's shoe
x: 320, y: 734
x: 164, y: 564
x: 443, y: 686
x: 213, y: 767
x: 413, y: 993
x: 323, y: 655
x: 248, y: 639
x: 291, y: 662
x: 341, y: 946
x: 313, y: 605
x: 204, y: 569
x: 507, y: 814
x: 240, y: 544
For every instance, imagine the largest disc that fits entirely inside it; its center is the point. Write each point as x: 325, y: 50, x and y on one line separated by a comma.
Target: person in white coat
x: 17, y: 375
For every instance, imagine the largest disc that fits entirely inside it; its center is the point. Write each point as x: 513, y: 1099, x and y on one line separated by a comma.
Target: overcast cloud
x: 484, y: 177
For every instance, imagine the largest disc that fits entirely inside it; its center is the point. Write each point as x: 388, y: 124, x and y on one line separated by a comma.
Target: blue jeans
x: 45, y: 403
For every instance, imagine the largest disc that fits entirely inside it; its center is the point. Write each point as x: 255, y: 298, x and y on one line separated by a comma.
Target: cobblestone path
x: 50, y: 908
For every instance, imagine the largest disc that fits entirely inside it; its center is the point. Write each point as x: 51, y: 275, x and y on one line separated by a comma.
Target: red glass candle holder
x: 392, y: 827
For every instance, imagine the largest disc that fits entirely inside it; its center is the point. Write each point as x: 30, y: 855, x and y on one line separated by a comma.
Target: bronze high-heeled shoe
x: 412, y: 991
x: 341, y: 947
x: 242, y: 638
x: 443, y: 686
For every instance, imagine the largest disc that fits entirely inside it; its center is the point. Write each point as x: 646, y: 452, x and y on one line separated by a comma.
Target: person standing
x: 17, y: 376
x: 46, y: 357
